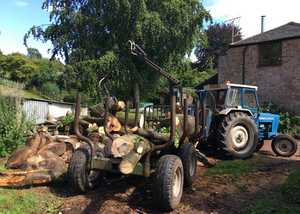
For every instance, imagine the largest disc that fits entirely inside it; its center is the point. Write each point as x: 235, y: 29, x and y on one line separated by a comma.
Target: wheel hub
x: 284, y: 146
x: 239, y: 136
x: 177, y: 183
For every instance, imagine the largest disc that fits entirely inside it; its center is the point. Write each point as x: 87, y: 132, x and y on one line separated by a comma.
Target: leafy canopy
x: 92, y: 36
x: 218, y: 39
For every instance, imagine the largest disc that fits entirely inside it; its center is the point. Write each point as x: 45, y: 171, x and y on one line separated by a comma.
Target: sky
x: 17, y: 16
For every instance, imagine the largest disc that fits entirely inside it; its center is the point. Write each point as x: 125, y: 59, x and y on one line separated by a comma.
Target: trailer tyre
x: 284, y: 145
x: 168, y: 182
x: 238, y: 134
x: 81, y: 177
x: 188, y: 157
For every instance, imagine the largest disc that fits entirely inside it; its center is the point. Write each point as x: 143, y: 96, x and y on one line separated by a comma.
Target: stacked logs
x: 42, y: 159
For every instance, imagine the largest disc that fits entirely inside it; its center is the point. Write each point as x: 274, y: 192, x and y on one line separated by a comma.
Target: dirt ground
x: 216, y: 193
x: 210, y: 194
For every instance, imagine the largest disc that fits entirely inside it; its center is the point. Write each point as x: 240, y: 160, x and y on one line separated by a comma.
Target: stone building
x: 270, y: 60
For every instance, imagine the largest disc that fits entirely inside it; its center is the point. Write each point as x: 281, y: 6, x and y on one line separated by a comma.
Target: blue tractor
x: 231, y: 119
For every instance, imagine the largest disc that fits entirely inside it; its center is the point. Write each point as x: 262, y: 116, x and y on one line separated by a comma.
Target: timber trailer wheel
x: 168, y: 182
x: 238, y: 135
x: 187, y: 153
x: 81, y: 177
x: 284, y: 145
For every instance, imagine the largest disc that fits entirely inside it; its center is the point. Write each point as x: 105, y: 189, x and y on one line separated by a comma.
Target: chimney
x: 262, y: 24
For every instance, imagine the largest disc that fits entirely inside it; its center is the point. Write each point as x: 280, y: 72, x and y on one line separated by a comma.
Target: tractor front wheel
x: 284, y: 145
x: 238, y: 135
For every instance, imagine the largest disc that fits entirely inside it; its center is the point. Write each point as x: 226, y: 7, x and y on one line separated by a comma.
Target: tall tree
x: 218, y: 39
x: 92, y: 35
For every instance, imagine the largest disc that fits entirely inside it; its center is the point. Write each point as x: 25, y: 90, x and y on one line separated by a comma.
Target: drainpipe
x: 244, y: 65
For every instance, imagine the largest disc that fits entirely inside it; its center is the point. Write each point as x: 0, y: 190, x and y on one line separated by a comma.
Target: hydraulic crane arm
x: 136, y: 50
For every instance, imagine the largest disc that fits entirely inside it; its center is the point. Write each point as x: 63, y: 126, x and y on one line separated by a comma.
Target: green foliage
x: 17, y: 67
x: 11, y: 84
x: 217, y: 41
x: 93, y: 37
x: 67, y: 120
x: 19, y: 71
x: 289, y: 123
x: 13, y: 127
x: 51, y: 90
x: 34, y: 53
x: 48, y: 71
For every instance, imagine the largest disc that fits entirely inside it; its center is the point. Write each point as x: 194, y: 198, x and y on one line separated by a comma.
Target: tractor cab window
x: 234, y: 97
x: 249, y: 99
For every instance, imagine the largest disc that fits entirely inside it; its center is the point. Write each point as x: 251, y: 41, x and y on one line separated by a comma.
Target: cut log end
x: 126, y: 167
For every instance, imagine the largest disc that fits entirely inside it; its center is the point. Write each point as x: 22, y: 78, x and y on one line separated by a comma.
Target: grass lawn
x: 235, y: 168
x: 22, y: 201
x: 27, y: 200
x: 284, y: 199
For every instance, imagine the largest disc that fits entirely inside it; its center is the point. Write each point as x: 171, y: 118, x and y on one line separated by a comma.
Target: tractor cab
x: 228, y: 97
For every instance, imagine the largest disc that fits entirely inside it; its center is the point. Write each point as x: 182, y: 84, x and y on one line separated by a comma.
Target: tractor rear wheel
x: 284, y: 145
x: 81, y: 177
x: 238, y: 135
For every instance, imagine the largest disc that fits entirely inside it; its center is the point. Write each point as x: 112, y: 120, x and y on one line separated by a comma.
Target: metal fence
x: 39, y: 111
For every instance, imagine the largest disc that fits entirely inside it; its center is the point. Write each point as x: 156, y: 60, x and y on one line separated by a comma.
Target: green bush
x: 51, y: 90
x: 289, y: 123
x: 13, y: 127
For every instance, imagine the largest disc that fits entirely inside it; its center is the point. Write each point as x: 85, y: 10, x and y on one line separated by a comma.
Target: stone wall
x: 277, y: 84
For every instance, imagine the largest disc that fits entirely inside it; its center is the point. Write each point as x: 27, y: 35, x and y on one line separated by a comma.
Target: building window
x: 270, y: 53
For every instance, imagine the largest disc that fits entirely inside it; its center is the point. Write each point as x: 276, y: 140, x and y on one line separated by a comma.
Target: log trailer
x: 139, y: 148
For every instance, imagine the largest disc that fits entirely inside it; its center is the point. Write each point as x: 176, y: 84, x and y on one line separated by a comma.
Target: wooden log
x: 46, y: 139
x: 131, y: 118
x: 57, y: 148
x: 113, y: 124
x: 113, y: 107
x: 130, y: 161
x: 152, y: 135
x: 99, y: 121
x: 18, y: 158
x: 25, y: 178
x: 123, y: 145
x: 33, y: 142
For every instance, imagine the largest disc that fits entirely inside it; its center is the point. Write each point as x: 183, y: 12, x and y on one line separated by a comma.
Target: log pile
x: 41, y: 160
x: 45, y: 156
